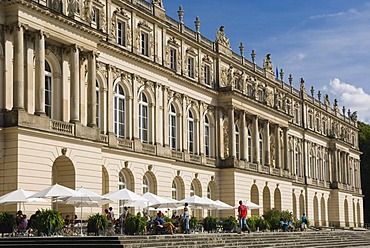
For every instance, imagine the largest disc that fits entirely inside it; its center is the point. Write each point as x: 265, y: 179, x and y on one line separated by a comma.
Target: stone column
x: 277, y: 147
x: 135, y: 115
x: 219, y: 134
x: 165, y: 116
x: 232, y: 144
x: 75, y: 83
x: 255, y: 139
x: 110, y: 96
x: 286, y: 151
x: 91, y: 95
x: 18, y: 67
x: 201, y: 128
x: 243, y: 137
x: 40, y: 73
x: 348, y: 171
x: 335, y: 165
x: 267, y: 143
x: 184, y: 124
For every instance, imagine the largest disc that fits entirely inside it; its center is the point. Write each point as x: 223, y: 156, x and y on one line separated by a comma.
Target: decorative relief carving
x: 226, y: 138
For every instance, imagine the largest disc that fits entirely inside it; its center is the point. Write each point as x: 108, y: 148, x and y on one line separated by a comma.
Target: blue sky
x: 327, y: 42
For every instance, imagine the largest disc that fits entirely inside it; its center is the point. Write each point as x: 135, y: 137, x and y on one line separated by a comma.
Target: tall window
x: 48, y: 90
x: 191, y: 67
x: 261, y: 146
x: 190, y: 132
x: 119, y: 111
x: 206, y: 136
x: 318, y: 162
x: 121, y: 185
x: 192, y: 191
x: 318, y: 124
x: 121, y: 33
x: 143, y: 118
x: 145, y: 184
x: 311, y: 164
x: 296, y: 160
x: 173, y: 59
x: 237, y: 142
x: 144, y: 44
x: 172, y: 127
x: 174, y: 190
x: 324, y: 127
x: 97, y: 92
x: 95, y: 17
x: 296, y: 115
x: 249, y: 145
x: 310, y: 120
x: 207, y: 75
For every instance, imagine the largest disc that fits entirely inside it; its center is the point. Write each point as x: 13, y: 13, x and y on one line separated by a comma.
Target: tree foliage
x: 364, y: 142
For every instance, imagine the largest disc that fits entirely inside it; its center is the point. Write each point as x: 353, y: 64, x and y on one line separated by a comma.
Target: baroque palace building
x: 113, y: 94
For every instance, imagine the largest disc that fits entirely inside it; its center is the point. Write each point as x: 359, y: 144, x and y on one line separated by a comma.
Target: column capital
x: 41, y: 33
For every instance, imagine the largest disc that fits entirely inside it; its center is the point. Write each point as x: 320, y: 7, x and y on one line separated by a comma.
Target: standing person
x: 304, y: 222
x: 242, y: 216
x: 186, y: 217
x: 111, y: 214
x: 189, y: 209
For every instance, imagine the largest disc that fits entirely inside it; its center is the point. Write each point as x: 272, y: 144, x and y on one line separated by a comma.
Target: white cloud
x: 353, y: 98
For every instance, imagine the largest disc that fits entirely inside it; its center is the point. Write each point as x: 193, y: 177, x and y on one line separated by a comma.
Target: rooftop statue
x: 221, y: 37
x: 267, y: 64
x: 158, y: 3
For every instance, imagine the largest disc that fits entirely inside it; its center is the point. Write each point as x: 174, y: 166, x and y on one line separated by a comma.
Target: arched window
x: 237, y: 142
x: 190, y: 132
x: 119, y: 111
x: 121, y: 185
x: 249, y: 145
x: 145, y: 184
x: 260, y: 142
x: 192, y: 191
x: 206, y: 136
x: 174, y: 190
x: 48, y: 90
x: 143, y: 118
x: 97, y: 90
x: 172, y: 127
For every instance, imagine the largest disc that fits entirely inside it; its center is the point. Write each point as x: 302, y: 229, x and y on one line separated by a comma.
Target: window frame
x: 143, y: 112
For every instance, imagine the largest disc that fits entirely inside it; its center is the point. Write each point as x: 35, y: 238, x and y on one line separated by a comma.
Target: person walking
x: 242, y: 216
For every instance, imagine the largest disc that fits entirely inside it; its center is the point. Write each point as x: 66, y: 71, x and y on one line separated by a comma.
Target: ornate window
x: 143, y: 118
x: 318, y: 123
x: 207, y: 75
x: 206, y: 137
x: 310, y: 119
x: 296, y: 115
x: 249, y: 145
x: 191, y: 67
x: 146, y: 187
x: 172, y: 127
x: 48, y: 90
x: 119, y: 111
x: 97, y: 92
x: 190, y: 132
x: 237, y: 142
x: 144, y: 43
x: 173, y: 59
x: 121, y: 32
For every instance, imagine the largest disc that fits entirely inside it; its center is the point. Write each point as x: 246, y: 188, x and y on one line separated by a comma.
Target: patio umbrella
x: 250, y: 205
x: 19, y: 196
x: 196, y: 201
x: 167, y: 204
x: 86, y: 198
x: 126, y: 195
x: 222, y: 205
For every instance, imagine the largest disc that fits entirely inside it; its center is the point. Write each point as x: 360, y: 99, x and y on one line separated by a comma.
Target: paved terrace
x: 216, y: 240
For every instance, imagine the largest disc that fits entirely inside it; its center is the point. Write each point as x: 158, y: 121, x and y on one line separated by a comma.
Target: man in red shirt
x: 242, y: 210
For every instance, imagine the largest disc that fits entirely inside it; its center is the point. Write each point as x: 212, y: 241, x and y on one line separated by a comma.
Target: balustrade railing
x: 62, y: 127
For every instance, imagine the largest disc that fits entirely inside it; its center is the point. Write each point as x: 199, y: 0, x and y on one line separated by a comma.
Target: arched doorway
x: 277, y: 199
x: 323, y: 211
x: 266, y: 199
x: 346, y: 215
x: 125, y: 181
x: 255, y: 199
x: 301, y: 205
x: 295, y: 206
x: 63, y: 173
x: 178, y: 189
x: 196, y: 189
x: 211, y: 194
x: 316, y: 211
x: 150, y: 181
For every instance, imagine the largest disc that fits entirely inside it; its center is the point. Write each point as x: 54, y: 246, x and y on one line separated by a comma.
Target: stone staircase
x: 318, y: 239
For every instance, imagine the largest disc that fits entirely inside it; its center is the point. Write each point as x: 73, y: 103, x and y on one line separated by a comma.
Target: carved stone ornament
x: 221, y: 37
x: 267, y: 64
x: 226, y: 138
x: 224, y: 77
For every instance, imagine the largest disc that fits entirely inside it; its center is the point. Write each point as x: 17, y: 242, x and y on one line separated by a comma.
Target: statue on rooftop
x: 326, y: 100
x: 221, y: 37
x: 158, y: 3
x: 267, y: 64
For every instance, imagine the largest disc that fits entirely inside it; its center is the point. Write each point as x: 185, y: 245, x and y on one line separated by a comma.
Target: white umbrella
x: 55, y: 190
x: 125, y: 194
x: 222, y: 205
x: 19, y: 196
x: 197, y: 201
x: 250, y: 205
x: 169, y: 204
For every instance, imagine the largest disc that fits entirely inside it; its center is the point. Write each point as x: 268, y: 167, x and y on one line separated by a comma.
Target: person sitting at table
x: 159, y: 220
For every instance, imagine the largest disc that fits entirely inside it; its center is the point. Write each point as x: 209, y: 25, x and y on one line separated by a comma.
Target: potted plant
x: 209, y: 223
x: 49, y: 221
x: 229, y: 224
x: 135, y: 224
x: 7, y: 223
x: 193, y: 223
x: 96, y: 223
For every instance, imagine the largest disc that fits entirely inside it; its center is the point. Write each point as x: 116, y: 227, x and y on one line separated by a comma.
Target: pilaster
x: 40, y: 73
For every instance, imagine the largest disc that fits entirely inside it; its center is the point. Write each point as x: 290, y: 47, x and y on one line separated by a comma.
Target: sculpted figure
x: 221, y: 37
x: 73, y: 7
x: 89, y: 12
x: 230, y: 76
x: 158, y: 3
x: 326, y: 100
x: 267, y: 64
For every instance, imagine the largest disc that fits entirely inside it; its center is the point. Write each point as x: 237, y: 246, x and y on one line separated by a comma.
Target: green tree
x: 364, y: 142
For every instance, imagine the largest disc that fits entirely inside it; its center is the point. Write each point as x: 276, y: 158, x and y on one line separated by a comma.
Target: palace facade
x: 114, y: 94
